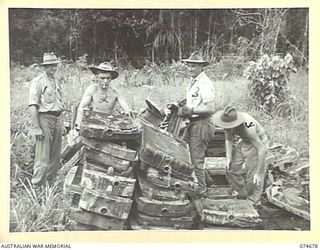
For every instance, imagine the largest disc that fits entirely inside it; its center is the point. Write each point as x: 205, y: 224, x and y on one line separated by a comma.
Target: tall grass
x: 160, y: 84
x: 36, y: 211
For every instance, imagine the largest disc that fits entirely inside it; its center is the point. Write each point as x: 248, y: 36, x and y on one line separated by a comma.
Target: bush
x: 268, y: 80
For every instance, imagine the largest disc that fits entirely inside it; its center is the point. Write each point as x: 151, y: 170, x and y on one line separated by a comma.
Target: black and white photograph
x: 159, y: 119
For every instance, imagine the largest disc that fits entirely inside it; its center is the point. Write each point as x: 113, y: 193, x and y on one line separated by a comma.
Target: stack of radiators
x: 220, y: 207
x: 165, y: 178
x: 99, y: 166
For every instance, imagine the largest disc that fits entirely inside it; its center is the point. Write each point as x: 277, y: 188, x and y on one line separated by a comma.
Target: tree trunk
x: 195, y: 38
x: 209, y: 34
x: 94, y: 40
x: 305, y: 40
x: 179, y: 37
x: 116, y: 50
x: 275, y: 40
x: 190, y: 33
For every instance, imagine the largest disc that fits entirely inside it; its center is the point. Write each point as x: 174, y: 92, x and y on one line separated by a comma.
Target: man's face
x: 51, y: 69
x: 104, y: 79
x: 195, y: 69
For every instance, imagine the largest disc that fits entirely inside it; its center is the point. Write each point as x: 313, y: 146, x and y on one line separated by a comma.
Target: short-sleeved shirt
x: 200, y: 91
x: 45, y: 93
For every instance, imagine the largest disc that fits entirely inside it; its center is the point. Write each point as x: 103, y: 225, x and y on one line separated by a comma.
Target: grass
x: 160, y: 84
x: 35, y: 211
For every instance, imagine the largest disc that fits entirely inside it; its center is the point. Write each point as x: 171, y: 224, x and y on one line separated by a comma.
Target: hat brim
x: 217, y: 120
x: 49, y: 63
x: 203, y: 63
x: 96, y: 70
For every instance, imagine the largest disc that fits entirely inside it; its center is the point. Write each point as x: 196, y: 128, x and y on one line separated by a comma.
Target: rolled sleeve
x: 34, y: 94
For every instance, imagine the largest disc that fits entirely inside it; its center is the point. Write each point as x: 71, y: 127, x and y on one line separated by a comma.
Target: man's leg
x: 42, y: 154
x: 198, y: 146
x: 55, y: 150
x: 235, y: 173
x: 251, y: 162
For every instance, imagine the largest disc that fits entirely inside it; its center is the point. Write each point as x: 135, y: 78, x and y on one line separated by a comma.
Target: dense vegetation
x: 158, y: 35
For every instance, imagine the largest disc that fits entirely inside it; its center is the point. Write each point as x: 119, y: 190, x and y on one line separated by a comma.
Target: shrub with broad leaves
x: 268, y: 80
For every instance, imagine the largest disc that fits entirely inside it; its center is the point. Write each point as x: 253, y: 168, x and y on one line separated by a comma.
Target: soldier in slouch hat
x: 45, y: 105
x: 199, y: 107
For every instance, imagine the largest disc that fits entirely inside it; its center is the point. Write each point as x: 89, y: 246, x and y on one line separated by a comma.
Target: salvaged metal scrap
x: 288, y: 179
x: 301, y: 166
x: 96, y: 166
x: 110, y: 148
x: 148, y: 189
x: 96, y: 220
x: 220, y: 193
x: 152, y: 114
x: 103, y: 203
x: 289, y: 199
x: 145, y: 222
x: 230, y: 212
x: 153, y: 207
x: 71, y: 188
x: 105, y: 127
x: 175, y: 122
x: 93, y: 155
x: 116, y: 185
x: 70, y: 145
x: 76, y: 159
x: 166, y: 181
x: 215, y: 165
x: 283, y: 155
x: 165, y: 152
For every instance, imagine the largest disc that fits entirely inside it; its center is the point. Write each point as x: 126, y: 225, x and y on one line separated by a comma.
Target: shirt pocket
x: 48, y: 95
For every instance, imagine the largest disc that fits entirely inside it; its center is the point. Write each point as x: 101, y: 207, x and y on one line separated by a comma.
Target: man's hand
x: 185, y: 111
x: 257, y: 178
x: 36, y: 133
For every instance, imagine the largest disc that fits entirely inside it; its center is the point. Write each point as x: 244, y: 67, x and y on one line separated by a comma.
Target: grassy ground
x: 160, y: 84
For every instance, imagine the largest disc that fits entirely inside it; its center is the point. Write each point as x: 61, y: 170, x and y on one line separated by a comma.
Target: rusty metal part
x: 121, y: 186
x: 160, y: 150
x: 230, y: 212
x: 98, y: 202
x: 277, y: 198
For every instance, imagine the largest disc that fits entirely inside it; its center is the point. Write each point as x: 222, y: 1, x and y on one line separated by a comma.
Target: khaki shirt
x: 45, y: 93
x: 200, y: 91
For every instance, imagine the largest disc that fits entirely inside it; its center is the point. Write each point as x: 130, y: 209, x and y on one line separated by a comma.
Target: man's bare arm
x: 124, y: 105
x: 261, y: 147
x: 229, y: 145
x: 85, y: 101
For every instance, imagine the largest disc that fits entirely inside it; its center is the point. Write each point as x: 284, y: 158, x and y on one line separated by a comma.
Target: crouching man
x: 246, y: 166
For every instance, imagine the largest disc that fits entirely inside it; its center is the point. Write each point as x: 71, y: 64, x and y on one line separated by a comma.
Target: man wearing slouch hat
x: 45, y: 106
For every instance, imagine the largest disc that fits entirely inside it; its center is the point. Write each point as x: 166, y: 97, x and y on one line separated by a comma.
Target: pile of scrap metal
x: 137, y: 174
x: 164, y: 177
x: 220, y: 209
x: 98, y: 164
x: 288, y: 180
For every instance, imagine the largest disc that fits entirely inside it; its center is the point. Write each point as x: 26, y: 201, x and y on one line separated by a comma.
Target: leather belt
x: 54, y: 113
